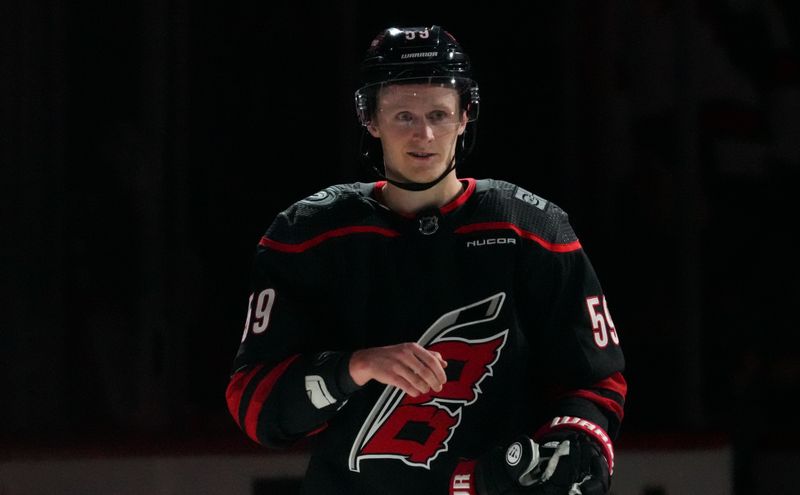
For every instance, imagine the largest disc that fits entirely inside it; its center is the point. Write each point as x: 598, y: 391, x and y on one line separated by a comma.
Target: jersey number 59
x: 602, y: 324
x: 262, y: 310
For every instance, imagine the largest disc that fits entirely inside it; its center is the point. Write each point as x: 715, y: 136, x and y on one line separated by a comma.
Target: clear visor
x: 440, y: 103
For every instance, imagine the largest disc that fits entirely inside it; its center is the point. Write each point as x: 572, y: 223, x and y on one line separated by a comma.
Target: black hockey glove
x: 571, y: 463
x: 564, y: 461
x: 587, y: 467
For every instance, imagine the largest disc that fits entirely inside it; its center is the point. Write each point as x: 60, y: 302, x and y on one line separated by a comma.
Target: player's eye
x: 404, y: 117
x: 438, y: 116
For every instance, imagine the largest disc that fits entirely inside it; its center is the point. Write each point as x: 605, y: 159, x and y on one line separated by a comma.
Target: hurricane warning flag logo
x: 416, y: 430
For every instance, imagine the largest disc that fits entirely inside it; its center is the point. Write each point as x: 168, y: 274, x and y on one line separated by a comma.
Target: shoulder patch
x: 530, y: 198
x: 322, y: 198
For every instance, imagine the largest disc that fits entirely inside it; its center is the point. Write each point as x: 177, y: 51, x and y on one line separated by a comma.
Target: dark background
x: 146, y: 146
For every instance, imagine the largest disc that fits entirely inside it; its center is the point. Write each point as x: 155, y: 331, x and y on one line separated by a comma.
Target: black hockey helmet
x: 419, y: 54
x: 428, y: 55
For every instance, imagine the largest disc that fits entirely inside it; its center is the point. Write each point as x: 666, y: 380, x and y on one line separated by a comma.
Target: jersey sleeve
x: 576, y: 343
x: 288, y: 379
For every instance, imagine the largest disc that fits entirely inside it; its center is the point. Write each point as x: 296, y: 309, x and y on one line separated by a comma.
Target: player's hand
x: 563, y: 463
x: 408, y: 366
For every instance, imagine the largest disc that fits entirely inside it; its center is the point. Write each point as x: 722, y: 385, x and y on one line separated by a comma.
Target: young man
x: 431, y: 334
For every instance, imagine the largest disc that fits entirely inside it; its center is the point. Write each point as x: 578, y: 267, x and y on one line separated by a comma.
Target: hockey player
x: 427, y: 333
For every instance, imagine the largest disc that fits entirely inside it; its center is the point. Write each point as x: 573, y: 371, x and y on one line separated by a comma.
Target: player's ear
x: 373, y: 129
x: 462, y: 125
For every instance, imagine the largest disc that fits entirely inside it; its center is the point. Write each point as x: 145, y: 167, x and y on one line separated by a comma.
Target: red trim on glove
x: 463, y: 480
x: 585, y: 426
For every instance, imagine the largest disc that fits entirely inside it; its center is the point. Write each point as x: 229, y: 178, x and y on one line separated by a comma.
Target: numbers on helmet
x: 424, y: 34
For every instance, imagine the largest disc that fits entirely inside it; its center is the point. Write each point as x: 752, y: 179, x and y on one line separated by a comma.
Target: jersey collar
x: 453, y: 205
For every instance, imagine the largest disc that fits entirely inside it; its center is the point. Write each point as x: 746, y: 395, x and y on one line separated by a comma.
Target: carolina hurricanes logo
x: 416, y: 430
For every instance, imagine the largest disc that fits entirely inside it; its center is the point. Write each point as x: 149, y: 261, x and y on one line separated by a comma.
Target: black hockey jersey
x: 496, y: 281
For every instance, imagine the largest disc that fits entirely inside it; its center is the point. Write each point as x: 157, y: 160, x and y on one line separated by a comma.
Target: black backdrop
x: 147, y: 145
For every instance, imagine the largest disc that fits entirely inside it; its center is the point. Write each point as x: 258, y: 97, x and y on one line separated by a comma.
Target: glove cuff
x: 327, y: 379
x: 463, y: 479
x: 561, y: 423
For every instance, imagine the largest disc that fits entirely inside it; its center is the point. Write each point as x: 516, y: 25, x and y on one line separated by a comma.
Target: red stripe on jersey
x: 302, y: 246
x: 236, y: 388
x: 550, y: 246
x: 461, y: 199
x: 614, y: 383
x: 317, y: 430
x: 260, y: 396
x: 604, y: 402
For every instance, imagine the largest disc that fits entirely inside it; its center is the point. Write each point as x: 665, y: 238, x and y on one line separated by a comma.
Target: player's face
x: 418, y: 125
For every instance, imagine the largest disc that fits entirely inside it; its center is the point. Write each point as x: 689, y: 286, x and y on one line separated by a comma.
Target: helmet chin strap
x: 419, y: 186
